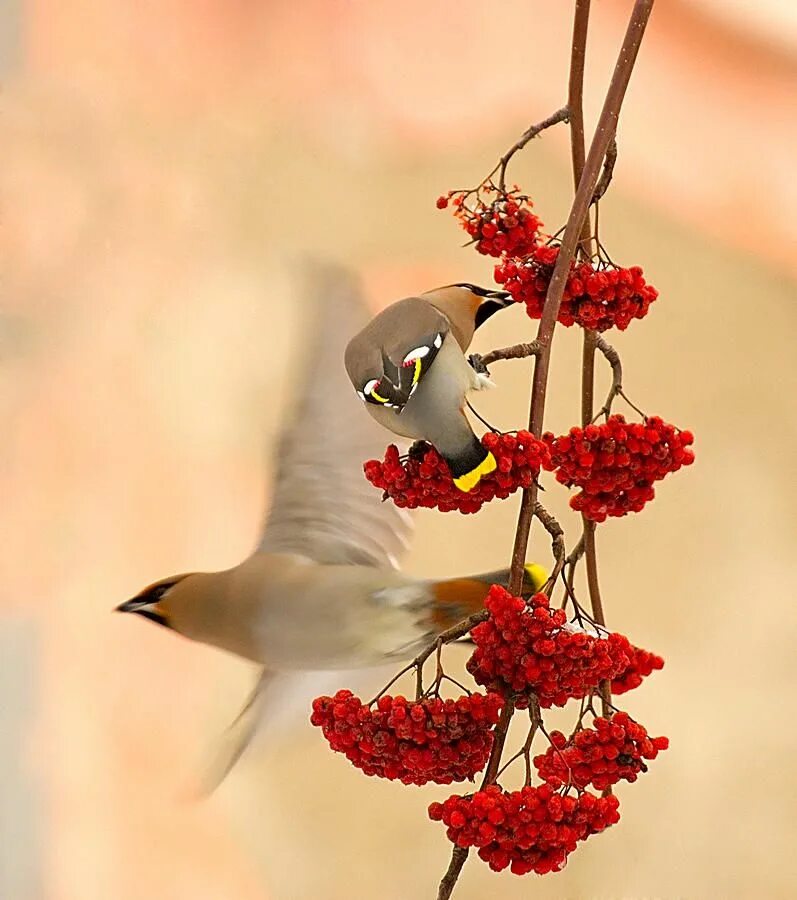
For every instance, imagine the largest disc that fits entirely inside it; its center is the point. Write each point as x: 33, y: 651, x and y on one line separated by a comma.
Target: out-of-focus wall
x: 164, y: 168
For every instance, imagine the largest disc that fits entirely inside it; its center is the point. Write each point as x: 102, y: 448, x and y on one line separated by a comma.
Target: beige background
x: 162, y: 169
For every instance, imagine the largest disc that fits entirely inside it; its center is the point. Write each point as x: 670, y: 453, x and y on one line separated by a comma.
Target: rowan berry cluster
x: 616, y: 463
x: 530, y: 830
x: 527, y: 649
x: 411, y: 741
x: 642, y: 663
x: 499, y: 225
x: 613, y: 749
x: 424, y: 478
x: 599, y: 296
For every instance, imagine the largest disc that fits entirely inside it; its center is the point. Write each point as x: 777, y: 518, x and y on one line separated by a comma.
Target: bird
x: 409, y: 367
x: 323, y: 589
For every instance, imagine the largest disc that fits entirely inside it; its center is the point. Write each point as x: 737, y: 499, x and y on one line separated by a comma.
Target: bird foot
x: 477, y: 363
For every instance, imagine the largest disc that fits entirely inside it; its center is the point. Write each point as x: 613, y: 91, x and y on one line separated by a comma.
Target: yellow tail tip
x: 538, y: 575
x: 469, y: 480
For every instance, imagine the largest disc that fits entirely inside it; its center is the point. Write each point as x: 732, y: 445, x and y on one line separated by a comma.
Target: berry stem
x: 606, y: 176
x: 554, y: 529
x: 587, y: 182
x: 604, y: 133
x: 561, y: 115
x: 575, y: 103
x: 501, y: 730
x: 449, y: 880
x: 516, y: 351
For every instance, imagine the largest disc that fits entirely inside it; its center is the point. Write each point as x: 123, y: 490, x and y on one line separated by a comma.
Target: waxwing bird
x: 322, y: 590
x: 408, y: 364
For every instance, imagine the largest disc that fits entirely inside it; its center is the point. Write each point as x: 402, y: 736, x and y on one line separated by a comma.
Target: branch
x: 604, y: 134
x: 575, y: 102
x: 608, y: 171
x: 449, y: 880
x: 607, y: 125
x: 613, y: 358
x: 516, y: 351
x: 561, y: 115
x: 554, y: 529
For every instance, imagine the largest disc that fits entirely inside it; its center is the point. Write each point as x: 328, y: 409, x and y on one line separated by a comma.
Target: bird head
x: 153, y: 601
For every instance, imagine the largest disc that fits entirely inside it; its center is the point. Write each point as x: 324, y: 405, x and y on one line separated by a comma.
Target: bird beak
x: 143, y: 608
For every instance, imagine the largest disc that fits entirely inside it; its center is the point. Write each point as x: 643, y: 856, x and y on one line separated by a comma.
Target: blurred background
x: 163, y: 169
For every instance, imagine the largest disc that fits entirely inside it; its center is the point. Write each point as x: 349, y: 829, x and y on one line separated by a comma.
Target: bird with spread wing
x: 323, y: 589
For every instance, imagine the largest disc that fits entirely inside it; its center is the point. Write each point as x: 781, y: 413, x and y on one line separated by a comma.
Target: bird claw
x: 475, y: 359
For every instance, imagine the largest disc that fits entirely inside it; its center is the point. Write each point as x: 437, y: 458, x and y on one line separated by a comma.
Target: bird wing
x: 388, y: 358
x: 322, y: 506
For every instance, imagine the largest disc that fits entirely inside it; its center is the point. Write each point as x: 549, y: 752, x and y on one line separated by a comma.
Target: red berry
x: 613, y: 750
x: 531, y: 830
x: 617, y: 472
x: 500, y: 223
x: 412, y: 741
x: 596, y: 298
x: 531, y: 649
x: 424, y: 479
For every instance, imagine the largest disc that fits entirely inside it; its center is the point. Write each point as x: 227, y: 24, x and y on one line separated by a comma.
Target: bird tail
x: 469, y: 466
x: 457, y: 598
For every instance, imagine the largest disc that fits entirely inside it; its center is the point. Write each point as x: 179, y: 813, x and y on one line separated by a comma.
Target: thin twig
x: 604, y: 133
x: 499, y: 737
x: 516, y: 351
x: 561, y: 115
x: 575, y: 102
x: 606, y: 175
x: 613, y: 358
x: 554, y: 529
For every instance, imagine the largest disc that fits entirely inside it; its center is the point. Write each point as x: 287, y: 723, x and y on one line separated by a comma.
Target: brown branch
x: 516, y: 351
x: 608, y: 170
x: 501, y: 730
x: 554, y: 529
x: 449, y: 880
x: 613, y: 358
x: 561, y: 115
x: 575, y: 103
x: 604, y: 133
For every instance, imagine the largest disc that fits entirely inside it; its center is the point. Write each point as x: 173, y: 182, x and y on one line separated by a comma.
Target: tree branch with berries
x: 533, y: 651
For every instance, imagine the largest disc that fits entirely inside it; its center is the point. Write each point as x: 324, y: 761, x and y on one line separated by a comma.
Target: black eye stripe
x: 474, y: 288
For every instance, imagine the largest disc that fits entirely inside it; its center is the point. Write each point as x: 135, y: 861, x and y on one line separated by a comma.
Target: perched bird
x: 408, y: 364
x: 322, y: 590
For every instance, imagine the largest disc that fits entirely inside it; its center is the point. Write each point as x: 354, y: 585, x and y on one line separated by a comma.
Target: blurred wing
x: 322, y: 506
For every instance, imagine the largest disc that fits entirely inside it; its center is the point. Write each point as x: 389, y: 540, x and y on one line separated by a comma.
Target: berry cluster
x: 501, y: 226
x: 642, y: 663
x: 414, y: 742
x: 599, y: 297
x: 522, y: 649
x: 613, y: 750
x: 424, y: 479
x: 531, y: 830
x: 616, y: 463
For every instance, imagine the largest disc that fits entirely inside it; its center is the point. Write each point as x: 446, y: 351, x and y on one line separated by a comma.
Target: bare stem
x: 575, y: 103
x: 587, y: 182
x: 606, y: 175
x: 554, y: 529
x: 516, y: 351
x: 449, y: 880
x: 561, y: 115
x: 605, y: 131
x: 501, y: 730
